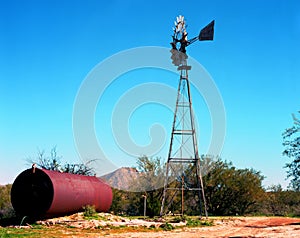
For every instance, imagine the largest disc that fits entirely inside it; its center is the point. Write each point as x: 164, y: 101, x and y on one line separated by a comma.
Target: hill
x: 121, y: 178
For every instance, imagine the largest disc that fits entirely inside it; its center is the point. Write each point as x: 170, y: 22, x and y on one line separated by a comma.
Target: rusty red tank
x: 44, y: 193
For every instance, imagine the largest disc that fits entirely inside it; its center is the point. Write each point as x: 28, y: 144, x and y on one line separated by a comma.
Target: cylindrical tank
x: 44, y: 193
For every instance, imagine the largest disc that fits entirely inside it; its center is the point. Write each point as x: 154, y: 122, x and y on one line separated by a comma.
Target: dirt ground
x: 223, y: 227
x: 230, y: 227
x: 234, y: 227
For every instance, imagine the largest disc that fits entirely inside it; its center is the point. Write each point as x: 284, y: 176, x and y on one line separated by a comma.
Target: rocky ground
x: 107, y: 225
x: 222, y: 227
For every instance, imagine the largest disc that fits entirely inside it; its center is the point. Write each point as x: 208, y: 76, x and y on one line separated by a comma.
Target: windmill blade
x: 179, y: 27
x: 296, y: 120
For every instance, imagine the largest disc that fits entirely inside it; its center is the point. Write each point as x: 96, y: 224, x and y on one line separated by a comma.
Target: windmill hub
x: 180, y: 39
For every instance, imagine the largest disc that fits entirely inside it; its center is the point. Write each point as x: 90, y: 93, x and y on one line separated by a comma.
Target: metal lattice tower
x: 183, y: 171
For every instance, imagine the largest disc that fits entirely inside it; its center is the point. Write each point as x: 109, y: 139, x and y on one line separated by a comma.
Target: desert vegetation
x: 230, y: 191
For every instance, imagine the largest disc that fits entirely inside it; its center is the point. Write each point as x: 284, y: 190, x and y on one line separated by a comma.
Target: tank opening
x: 32, y: 193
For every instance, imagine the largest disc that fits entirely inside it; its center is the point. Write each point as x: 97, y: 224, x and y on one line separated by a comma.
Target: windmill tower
x: 183, y: 169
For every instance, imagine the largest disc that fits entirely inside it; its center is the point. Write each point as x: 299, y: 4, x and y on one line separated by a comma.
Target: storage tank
x: 44, y: 193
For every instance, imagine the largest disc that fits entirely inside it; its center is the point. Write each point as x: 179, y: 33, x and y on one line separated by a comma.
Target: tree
x: 291, y: 142
x: 228, y: 190
x: 151, y: 178
x: 279, y: 202
x: 53, y: 162
x: 125, y: 202
x: 6, y: 209
x: 231, y: 191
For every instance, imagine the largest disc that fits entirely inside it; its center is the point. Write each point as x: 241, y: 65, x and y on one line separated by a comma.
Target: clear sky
x: 47, y: 48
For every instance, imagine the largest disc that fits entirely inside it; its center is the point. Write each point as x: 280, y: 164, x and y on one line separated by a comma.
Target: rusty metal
x: 44, y: 193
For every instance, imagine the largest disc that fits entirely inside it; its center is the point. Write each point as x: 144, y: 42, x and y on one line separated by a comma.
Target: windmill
x: 183, y: 170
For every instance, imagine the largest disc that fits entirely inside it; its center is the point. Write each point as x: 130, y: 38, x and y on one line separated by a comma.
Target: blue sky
x: 47, y: 48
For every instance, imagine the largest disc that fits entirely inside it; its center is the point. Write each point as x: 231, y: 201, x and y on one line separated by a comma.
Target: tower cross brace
x: 183, y: 157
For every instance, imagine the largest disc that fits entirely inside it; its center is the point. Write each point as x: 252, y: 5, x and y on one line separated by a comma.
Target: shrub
x: 197, y: 222
x: 166, y: 226
x: 89, y: 212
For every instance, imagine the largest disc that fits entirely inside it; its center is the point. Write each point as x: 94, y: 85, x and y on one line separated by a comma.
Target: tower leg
x: 164, y: 192
x: 183, y: 150
x: 201, y: 192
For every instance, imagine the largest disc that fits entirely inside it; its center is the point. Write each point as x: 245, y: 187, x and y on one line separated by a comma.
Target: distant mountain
x: 121, y: 178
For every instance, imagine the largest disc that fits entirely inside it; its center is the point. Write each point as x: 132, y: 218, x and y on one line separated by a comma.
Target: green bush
x: 90, y: 212
x: 6, y: 209
x: 178, y: 219
x: 197, y: 222
x: 166, y: 226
